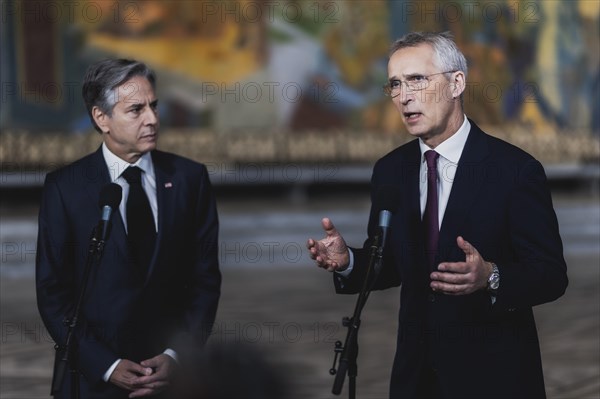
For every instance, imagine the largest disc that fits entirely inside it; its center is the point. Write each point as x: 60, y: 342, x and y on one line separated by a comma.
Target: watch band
x: 494, y: 279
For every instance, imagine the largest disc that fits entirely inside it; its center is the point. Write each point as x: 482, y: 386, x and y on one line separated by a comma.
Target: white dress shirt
x: 116, y: 166
x: 450, y: 151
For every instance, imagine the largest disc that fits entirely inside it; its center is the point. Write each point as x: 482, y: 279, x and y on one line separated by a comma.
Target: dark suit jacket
x: 126, y: 314
x: 500, y: 203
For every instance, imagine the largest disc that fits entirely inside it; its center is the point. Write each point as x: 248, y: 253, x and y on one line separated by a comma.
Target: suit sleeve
x: 57, y: 283
x: 204, y: 286
x: 538, y: 273
x: 388, y: 276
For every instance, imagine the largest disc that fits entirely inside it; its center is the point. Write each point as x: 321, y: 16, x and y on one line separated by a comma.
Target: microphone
x: 110, y: 198
x: 387, y: 200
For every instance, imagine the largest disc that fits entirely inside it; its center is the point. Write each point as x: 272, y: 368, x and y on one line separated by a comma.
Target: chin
x: 416, y: 132
x: 149, y: 147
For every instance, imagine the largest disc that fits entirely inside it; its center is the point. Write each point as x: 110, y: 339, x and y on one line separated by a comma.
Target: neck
x: 454, y: 123
x: 129, y: 157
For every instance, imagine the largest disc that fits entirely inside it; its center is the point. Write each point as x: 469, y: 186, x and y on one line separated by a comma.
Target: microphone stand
x: 349, y: 351
x: 65, y: 356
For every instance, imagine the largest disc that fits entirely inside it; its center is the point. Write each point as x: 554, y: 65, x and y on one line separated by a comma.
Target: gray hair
x: 103, y: 78
x: 449, y: 57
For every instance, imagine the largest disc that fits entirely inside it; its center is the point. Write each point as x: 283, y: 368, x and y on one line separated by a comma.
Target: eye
x: 395, y: 83
x: 135, y: 110
x: 416, y: 78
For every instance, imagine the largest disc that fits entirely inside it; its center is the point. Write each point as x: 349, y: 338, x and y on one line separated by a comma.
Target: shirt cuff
x: 348, y: 270
x: 172, y: 353
x: 110, y: 370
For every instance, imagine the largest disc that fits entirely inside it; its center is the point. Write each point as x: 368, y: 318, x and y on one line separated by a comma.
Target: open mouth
x: 410, y: 116
x: 149, y: 138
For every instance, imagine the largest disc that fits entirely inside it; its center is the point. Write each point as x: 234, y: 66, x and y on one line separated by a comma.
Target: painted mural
x: 300, y: 65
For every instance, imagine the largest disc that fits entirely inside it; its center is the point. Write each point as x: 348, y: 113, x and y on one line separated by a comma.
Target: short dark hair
x: 102, y: 79
x: 449, y: 57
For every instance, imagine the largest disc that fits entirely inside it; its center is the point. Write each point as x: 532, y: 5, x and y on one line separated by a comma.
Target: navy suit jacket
x: 126, y: 314
x: 500, y: 203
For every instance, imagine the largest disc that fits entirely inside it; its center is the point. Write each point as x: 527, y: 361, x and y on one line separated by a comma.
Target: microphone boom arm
x: 64, y: 357
x: 347, y: 361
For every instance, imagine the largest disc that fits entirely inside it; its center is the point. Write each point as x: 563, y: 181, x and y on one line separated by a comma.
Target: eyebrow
x: 141, y: 105
x: 135, y: 106
x: 410, y: 75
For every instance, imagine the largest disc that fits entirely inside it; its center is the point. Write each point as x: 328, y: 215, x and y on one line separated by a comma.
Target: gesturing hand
x: 331, y: 252
x: 461, y: 278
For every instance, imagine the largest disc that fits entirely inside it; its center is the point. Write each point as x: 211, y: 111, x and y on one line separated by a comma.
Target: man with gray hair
x: 474, y: 241
x: 155, y: 290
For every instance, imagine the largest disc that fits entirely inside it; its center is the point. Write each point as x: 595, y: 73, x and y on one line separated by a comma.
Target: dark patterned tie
x: 141, y: 232
x: 430, y: 217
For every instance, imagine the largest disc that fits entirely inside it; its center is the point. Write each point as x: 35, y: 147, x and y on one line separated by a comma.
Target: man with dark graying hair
x: 156, y: 289
x: 474, y: 242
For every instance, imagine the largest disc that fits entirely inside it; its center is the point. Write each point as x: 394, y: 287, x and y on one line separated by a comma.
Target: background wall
x: 282, y: 100
x: 299, y: 64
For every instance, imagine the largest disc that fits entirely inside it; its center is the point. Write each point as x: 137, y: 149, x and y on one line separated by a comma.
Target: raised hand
x: 461, y: 278
x: 331, y: 252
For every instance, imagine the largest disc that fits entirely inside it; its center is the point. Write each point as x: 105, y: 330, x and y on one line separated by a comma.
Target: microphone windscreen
x: 387, y: 198
x: 110, y: 196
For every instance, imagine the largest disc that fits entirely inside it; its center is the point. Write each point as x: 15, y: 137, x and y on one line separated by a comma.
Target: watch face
x: 494, y: 281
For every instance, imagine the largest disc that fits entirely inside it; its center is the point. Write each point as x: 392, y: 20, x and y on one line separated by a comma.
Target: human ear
x: 458, y: 84
x: 100, y: 118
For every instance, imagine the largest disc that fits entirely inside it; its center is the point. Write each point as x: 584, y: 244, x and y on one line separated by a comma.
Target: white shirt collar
x: 453, y: 146
x: 116, y: 165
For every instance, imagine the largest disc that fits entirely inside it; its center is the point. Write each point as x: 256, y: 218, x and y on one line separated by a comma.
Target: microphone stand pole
x: 65, y: 356
x: 349, y: 351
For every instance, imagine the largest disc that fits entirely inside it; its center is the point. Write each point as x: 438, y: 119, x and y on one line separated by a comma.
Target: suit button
x: 431, y: 298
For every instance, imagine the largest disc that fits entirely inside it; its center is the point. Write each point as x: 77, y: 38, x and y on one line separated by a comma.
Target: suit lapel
x: 412, y: 193
x: 165, y: 194
x: 468, y: 181
x: 409, y: 224
x: 100, y: 178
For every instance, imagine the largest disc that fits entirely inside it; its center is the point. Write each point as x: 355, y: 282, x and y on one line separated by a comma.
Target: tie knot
x: 133, y: 175
x: 431, y: 158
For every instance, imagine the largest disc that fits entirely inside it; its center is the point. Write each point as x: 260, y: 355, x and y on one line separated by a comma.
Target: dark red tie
x: 430, y: 217
x: 141, y: 232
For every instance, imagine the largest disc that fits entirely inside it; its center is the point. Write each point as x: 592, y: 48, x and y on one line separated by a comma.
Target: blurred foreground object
x: 232, y: 371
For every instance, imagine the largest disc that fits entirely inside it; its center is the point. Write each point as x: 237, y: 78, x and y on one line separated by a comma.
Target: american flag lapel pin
x: 168, y: 184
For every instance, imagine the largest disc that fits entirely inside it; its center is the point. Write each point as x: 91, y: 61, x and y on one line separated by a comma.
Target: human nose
x: 151, y: 116
x: 404, y: 95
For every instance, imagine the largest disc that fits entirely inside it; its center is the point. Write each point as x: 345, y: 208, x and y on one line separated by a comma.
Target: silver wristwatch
x: 494, y: 279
